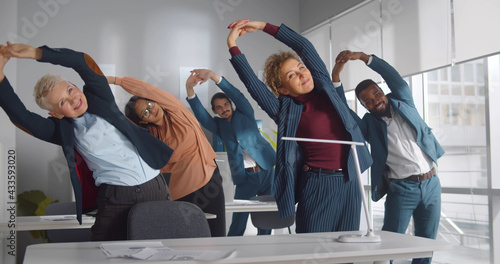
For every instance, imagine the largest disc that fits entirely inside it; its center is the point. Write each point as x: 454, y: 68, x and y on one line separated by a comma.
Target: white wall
x: 313, y: 12
x: 7, y: 140
x: 145, y: 39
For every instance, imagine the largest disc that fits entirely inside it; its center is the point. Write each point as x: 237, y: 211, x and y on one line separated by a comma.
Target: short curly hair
x: 272, y: 68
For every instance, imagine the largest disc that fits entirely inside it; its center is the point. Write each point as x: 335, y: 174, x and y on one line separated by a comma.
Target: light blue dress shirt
x: 109, y: 154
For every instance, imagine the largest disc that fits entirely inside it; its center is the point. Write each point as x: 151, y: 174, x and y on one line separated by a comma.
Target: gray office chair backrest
x: 270, y: 220
x: 66, y: 235
x: 166, y: 219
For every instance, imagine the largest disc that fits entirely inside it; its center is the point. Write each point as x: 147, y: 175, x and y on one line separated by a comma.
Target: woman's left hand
x: 240, y: 27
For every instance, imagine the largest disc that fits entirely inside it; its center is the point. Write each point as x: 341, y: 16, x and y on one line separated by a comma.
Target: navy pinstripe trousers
x: 327, y: 203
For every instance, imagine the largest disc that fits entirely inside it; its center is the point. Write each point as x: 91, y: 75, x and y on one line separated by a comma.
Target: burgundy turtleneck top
x: 320, y: 120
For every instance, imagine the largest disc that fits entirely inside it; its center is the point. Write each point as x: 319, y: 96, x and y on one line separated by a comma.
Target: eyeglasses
x: 149, y: 105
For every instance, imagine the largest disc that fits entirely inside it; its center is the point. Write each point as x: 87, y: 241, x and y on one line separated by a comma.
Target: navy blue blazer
x: 375, y: 129
x: 101, y: 102
x: 241, y: 133
x: 286, y: 113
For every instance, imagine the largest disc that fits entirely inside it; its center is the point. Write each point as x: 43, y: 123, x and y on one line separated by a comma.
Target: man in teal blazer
x: 251, y: 157
x: 404, y: 152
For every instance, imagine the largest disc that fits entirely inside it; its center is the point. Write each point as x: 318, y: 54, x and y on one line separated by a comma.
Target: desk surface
x: 26, y: 223
x: 239, y: 206
x: 295, y: 248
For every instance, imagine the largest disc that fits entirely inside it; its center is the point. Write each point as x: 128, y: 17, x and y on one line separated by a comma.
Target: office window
x: 433, y: 88
x: 443, y: 74
x: 468, y: 72
x: 456, y: 89
x: 457, y: 114
x: 445, y: 89
x: 434, y: 114
x: 432, y: 76
x: 455, y: 74
x: 469, y: 90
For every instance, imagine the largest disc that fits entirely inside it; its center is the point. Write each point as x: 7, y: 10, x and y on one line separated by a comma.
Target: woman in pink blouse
x: 195, y: 176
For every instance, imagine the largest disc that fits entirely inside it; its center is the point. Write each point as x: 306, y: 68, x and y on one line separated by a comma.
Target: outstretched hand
x: 240, y: 27
x: 202, y: 75
x: 340, y: 61
x: 343, y: 58
x: 23, y: 51
x: 193, y: 80
x: 199, y: 76
x: 3, y: 60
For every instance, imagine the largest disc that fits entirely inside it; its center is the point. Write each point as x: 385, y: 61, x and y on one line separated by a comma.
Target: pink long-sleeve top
x: 192, y: 163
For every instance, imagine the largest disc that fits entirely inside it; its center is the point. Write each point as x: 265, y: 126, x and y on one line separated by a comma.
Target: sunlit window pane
x: 456, y: 89
x: 455, y: 73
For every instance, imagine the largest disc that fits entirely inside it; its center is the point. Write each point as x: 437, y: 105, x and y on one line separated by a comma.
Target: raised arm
x: 199, y: 76
x: 257, y: 89
x: 205, y: 119
x: 27, y: 121
x: 240, y: 27
x: 342, y: 58
x: 146, y: 90
x: 398, y: 86
x: 302, y: 46
x: 4, y: 58
x: 82, y: 63
x: 23, y: 51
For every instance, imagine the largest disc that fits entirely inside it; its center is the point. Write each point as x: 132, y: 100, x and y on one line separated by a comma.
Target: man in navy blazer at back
x: 251, y: 157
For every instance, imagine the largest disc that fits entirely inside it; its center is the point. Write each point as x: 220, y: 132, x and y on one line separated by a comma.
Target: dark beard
x: 382, y: 114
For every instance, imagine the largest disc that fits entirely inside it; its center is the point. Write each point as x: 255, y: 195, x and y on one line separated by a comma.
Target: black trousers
x: 210, y: 198
x: 114, y: 203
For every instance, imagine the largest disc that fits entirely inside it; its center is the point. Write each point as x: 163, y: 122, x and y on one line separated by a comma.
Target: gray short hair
x: 43, y: 87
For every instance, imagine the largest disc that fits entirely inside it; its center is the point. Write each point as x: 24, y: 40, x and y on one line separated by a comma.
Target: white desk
x: 27, y: 223
x: 295, y: 248
x: 235, y: 207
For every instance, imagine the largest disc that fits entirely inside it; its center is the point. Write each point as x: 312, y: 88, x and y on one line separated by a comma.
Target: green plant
x: 34, y: 203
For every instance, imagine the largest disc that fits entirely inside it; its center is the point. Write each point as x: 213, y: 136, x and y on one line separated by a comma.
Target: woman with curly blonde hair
x: 272, y: 69
x: 305, y: 103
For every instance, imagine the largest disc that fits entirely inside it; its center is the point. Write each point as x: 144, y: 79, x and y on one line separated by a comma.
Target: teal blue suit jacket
x: 241, y: 133
x: 375, y: 129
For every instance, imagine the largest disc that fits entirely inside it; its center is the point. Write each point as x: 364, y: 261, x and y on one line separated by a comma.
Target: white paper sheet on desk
x: 244, y: 202
x: 157, y: 251
x: 170, y: 254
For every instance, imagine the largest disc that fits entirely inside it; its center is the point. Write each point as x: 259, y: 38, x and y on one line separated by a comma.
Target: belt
x: 253, y: 169
x: 307, y: 168
x: 421, y: 177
